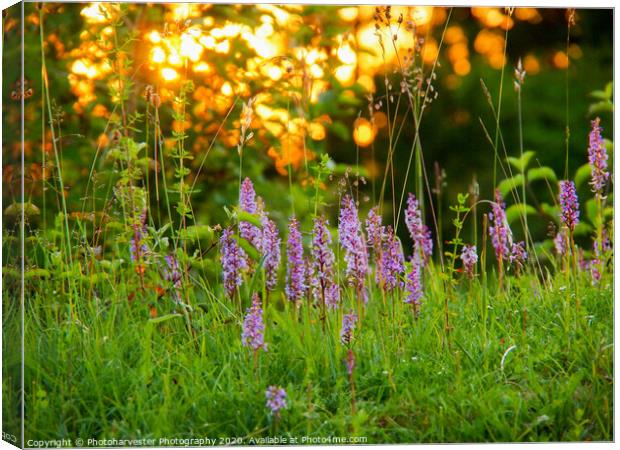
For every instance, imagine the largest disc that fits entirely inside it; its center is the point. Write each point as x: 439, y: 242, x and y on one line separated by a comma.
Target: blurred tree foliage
x: 309, y: 70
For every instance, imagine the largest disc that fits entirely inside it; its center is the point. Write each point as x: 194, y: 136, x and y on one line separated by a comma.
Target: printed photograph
x: 302, y: 224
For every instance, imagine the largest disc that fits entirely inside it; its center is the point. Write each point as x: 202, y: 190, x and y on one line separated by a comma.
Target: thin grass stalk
x: 66, y: 235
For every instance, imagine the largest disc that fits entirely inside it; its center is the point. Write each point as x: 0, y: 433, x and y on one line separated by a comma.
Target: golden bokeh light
x: 345, y: 75
x: 531, y: 64
x: 227, y: 89
x: 560, y: 60
x: 363, y: 132
x: 169, y: 74
x: 228, y: 56
x: 158, y: 55
x: 528, y: 14
x: 99, y: 13
x: 462, y: 67
x: 348, y: 14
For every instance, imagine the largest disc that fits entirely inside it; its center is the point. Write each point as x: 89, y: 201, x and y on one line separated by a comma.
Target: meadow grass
x: 520, y: 365
x: 116, y: 347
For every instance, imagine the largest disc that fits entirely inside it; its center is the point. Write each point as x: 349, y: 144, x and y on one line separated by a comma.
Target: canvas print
x: 264, y: 224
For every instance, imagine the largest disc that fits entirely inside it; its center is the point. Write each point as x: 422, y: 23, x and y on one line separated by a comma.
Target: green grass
x: 112, y: 373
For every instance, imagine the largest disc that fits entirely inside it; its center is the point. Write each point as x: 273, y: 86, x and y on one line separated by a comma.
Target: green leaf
x: 592, y: 211
x: 513, y: 212
x: 340, y: 130
x: 604, y: 106
x: 164, y: 318
x: 243, y: 216
x: 249, y: 248
x: 599, y: 95
x: 583, y: 229
x: 582, y: 174
x: 550, y: 210
x: 197, y: 232
x: 522, y: 162
x: 541, y: 173
x: 507, y: 185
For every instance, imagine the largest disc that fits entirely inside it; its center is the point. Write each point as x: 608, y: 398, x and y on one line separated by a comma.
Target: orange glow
x: 363, y: 132
x: 98, y: 13
x: 274, y: 72
x: 174, y: 59
x: 346, y: 54
x: 458, y: 51
x: 574, y: 51
x: 489, y: 42
x: 430, y: 52
x: 316, y: 71
x: 454, y: 35
x: 264, y: 31
x: 292, y: 152
x: 102, y: 140
x: 100, y: 111
x: 380, y: 119
x: 317, y: 131
x: 496, y: 60
x: 207, y: 42
x: 182, y: 11
x: 560, y: 60
x: 494, y: 18
x: 202, y: 67
x: 348, y: 14
x: 190, y: 48
x: 421, y: 15
x: 531, y: 64
x: 263, y: 47
x: 83, y: 67
x: 158, y: 55
x: 345, y: 74
x: 154, y: 37
x: 462, y: 67
x: 169, y: 74
x: 367, y: 82
x: 528, y: 14
x: 223, y: 47
x: 227, y: 89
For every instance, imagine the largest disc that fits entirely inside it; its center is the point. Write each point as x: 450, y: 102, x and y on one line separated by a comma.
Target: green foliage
x: 514, y: 212
x: 555, y: 385
x: 461, y: 210
x: 603, y: 101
